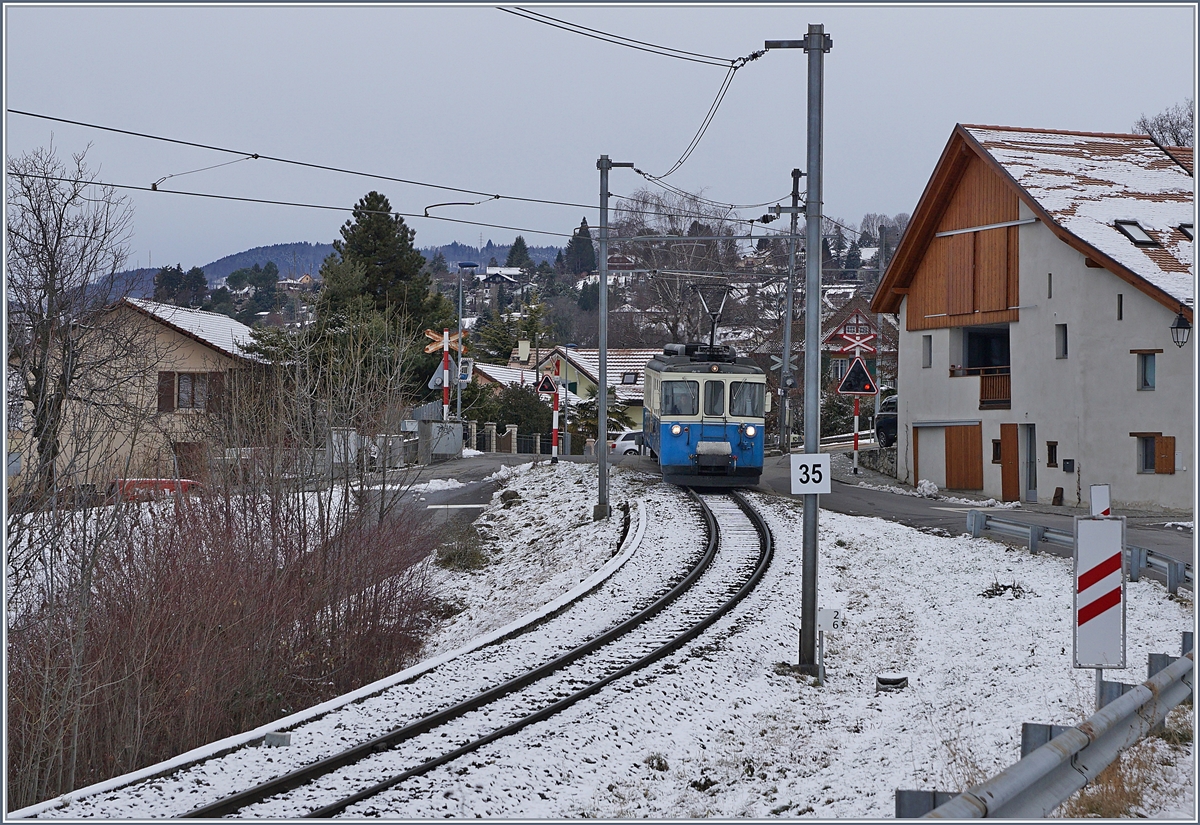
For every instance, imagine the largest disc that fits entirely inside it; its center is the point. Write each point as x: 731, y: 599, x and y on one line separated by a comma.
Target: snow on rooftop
x: 512, y: 376
x: 218, y: 331
x: 1087, y: 182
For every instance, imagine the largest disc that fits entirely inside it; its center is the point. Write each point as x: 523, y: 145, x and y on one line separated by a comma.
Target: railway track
x: 358, y: 779
x: 738, y: 552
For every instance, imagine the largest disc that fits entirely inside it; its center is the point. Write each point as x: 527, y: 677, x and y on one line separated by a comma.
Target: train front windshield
x: 680, y: 397
x: 746, y: 399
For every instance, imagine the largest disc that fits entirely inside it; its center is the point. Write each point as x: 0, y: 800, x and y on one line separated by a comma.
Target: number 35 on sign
x: 810, y: 474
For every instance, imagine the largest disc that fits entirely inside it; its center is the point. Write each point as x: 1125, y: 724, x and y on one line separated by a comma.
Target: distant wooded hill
x: 293, y: 260
x: 296, y: 259
x: 457, y: 253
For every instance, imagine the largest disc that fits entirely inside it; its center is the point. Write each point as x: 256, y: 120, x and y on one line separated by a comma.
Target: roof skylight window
x: 1186, y: 228
x: 1133, y: 230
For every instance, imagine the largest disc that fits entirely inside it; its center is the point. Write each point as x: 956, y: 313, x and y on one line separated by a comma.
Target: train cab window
x: 680, y: 397
x: 714, y: 398
x: 746, y: 399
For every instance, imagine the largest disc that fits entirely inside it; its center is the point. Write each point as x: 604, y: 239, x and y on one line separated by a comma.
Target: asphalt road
x: 465, y: 503
x: 1142, y: 529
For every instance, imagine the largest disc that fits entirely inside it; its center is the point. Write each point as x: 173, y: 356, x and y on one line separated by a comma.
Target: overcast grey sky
x: 477, y: 98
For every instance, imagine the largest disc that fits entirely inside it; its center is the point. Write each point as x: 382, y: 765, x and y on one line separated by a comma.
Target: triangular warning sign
x: 857, y: 380
x: 546, y: 385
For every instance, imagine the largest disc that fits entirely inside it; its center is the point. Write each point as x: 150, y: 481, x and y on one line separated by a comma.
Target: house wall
x: 1088, y: 402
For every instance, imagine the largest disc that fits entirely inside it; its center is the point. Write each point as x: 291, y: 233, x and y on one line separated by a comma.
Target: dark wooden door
x: 1010, y: 473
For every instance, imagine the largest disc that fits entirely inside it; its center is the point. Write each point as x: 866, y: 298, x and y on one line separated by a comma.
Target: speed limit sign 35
x: 810, y: 474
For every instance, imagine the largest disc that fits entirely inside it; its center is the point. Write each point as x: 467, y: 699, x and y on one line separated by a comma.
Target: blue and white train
x: 703, y: 415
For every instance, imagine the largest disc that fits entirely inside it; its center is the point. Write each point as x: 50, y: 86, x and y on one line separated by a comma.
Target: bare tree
x: 1171, y: 127
x: 693, y: 242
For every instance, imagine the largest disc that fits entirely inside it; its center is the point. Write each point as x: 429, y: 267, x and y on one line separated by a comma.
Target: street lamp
x: 1180, y: 329
x: 458, y: 379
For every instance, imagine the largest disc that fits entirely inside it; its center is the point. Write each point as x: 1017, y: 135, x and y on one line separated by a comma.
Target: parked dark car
x: 885, y: 422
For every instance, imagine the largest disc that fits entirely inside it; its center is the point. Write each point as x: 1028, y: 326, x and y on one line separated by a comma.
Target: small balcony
x: 995, y: 385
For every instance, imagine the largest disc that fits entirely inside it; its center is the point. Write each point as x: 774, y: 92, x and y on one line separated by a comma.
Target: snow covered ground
x: 724, y: 727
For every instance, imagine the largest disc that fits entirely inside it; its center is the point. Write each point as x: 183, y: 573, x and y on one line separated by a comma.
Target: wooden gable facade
x: 968, y: 272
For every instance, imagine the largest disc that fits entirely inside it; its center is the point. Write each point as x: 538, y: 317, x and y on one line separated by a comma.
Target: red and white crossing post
x: 445, y: 374
x: 554, y: 431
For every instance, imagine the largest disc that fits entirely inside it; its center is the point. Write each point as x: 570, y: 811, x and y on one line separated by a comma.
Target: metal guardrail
x: 1048, y: 776
x: 1138, y: 558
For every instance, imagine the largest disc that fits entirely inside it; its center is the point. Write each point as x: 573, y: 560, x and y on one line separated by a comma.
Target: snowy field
x: 724, y: 727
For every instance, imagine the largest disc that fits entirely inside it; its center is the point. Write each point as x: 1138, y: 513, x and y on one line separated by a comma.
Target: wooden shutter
x: 964, y: 457
x: 960, y: 277
x: 1164, y: 454
x: 166, y: 392
x: 216, y: 392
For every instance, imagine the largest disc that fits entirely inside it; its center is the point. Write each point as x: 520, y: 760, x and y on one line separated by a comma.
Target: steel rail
x: 302, y: 776
x: 766, y: 546
x: 1048, y: 776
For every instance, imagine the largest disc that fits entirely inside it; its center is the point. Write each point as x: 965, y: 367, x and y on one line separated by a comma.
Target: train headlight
x: 676, y: 429
x: 750, y: 431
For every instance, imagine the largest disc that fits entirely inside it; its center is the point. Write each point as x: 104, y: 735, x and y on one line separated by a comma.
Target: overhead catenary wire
x: 732, y: 66
x: 242, y: 199
x: 618, y: 40
x: 488, y: 196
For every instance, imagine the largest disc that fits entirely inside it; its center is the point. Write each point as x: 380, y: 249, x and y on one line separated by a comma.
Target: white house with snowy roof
x: 1042, y: 285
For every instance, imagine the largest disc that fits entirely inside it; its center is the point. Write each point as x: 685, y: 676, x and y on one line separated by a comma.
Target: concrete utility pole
x: 815, y: 45
x: 787, y: 381
x: 602, y: 510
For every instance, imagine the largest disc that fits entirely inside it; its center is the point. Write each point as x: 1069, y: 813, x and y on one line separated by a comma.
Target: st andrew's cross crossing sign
x: 858, y: 381
x: 436, y: 339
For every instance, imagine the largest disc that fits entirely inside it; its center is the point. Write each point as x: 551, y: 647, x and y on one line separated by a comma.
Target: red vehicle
x: 144, y: 489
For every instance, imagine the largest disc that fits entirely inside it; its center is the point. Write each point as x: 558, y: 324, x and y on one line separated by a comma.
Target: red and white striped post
x: 856, y: 352
x: 554, y: 431
x: 1099, y: 598
x: 445, y: 375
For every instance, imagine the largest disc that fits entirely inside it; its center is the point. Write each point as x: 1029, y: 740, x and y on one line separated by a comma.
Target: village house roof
x: 220, y: 332
x: 508, y: 376
x: 1079, y: 184
x: 620, y: 362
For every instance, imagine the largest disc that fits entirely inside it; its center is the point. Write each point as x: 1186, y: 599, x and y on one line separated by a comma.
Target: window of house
x: 1051, y: 453
x: 1134, y: 231
x: 1155, y: 453
x: 1145, y: 453
x: 629, y: 378
x: 986, y: 346
x: 1049, y: 285
x: 926, y: 351
x: 838, y: 367
x: 192, y: 393
x: 996, y: 459
x: 1186, y: 228
x: 1060, y: 340
x: 714, y: 397
x: 1145, y: 370
x: 1120, y: 306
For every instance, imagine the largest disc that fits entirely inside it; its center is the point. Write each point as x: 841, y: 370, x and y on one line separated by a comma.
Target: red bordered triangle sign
x: 858, y: 381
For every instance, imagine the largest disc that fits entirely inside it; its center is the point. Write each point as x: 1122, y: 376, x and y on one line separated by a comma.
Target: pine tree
x: 518, y: 255
x: 392, y: 278
x: 581, y: 255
